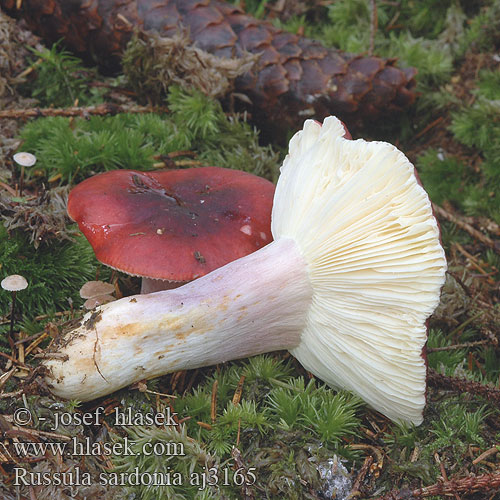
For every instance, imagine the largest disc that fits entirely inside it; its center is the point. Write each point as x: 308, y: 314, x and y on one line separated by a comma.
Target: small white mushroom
x: 25, y: 159
x: 94, y: 288
x: 14, y: 283
x: 98, y: 300
x: 96, y: 293
x: 354, y: 270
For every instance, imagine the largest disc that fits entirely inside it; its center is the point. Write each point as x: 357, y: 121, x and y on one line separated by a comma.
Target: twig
x: 486, y: 454
x: 14, y: 360
x: 57, y: 314
x: 5, y: 395
x: 7, y: 187
x: 459, y: 222
x: 28, y: 339
x: 175, y: 379
x: 204, y: 425
x: 465, y: 345
x: 84, y: 112
x: 470, y: 484
x: 5, y: 377
x: 36, y: 343
x: 427, y: 128
x: 361, y: 476
x: 369, y: 448
x: 33, y: 432
x: 460, y: 327
x: 463, y: 385
x: 190, y: 382
x: 444, y: 476
x: 178, y: 163
x: 474, y: 263
x: 162, y: 394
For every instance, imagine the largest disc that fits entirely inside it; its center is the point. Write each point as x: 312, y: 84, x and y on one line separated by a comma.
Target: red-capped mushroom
x: 174, y: 225
x: 354, y: 271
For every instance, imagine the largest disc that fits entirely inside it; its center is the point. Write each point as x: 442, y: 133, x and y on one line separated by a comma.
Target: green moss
x: 482, y: 33
x: 183, y: 458
x: 450, y: 427
x: 489, y: 360
x: 256, y: 8
x: 76, y: 149
x: 434, y: 64
x: 443, y: 176
x: 447, y: 178
x: 274, y: 409
x: 444, y: 361
x: 489, y: 84
x: 285, y: 426
x: 478, y: 126
x: 329, y: 415
x: 60, y: 79
x: 55, y: 274
x: 458, y: 426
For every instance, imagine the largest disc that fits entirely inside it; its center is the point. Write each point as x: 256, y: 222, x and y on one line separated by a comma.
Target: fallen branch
x: 83, y: 112
x: 465, y: 345
x: 463, y: 385
x: 471, y: 484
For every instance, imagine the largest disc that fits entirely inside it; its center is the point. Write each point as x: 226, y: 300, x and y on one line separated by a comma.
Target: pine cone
x: 295, y: 77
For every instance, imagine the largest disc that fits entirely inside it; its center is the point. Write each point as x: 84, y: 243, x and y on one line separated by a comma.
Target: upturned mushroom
x: 354, y: 270
x: 173, y: 226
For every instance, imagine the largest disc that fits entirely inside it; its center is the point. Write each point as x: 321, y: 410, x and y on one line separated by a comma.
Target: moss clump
x: 444, y: 361
x: 60, y: 79
x: 174, y: 471
x: 445, y: 177
x: 448, y: 178
x: 452, y: 425
x: 275, y: 408
x: 152, y: 64
x: 55, y: 273
x: 76, y: 149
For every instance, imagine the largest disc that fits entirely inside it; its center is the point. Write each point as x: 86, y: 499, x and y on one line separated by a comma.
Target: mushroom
x: 354, y: 271
x: 174, y: 225
x: 25, y: 159
x: 13, y: 283
x: 96, y: 293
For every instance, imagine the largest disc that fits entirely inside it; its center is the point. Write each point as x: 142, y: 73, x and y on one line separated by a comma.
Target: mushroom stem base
x: 254, y: 305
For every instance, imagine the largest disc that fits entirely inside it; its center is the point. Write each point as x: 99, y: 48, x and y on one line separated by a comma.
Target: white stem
x: 254, y: 305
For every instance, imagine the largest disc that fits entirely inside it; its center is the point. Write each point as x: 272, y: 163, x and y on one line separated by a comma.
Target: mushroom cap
x: 25, y: 159
x: 374, y: 260
x: 173, y: 225
x: 14, y: 283
x: 95, y: 288
x: 98, y: 300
